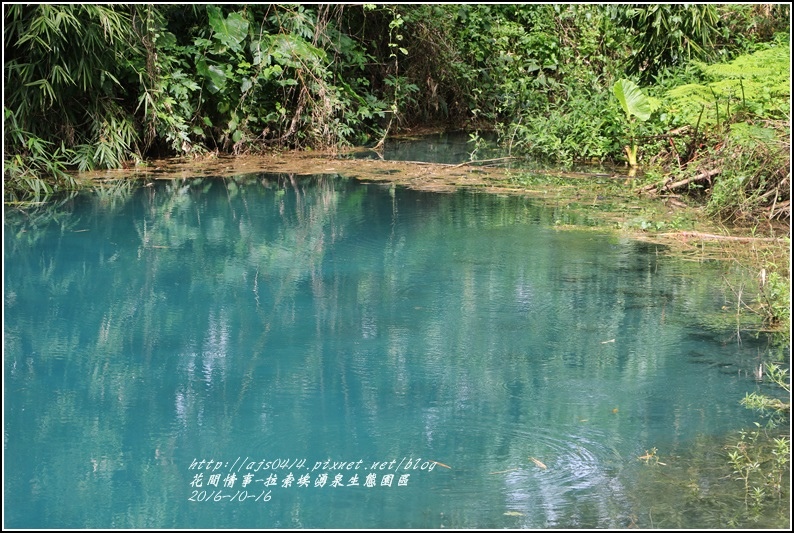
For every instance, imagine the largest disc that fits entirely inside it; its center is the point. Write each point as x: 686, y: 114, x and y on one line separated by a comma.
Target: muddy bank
x: 424, y: 176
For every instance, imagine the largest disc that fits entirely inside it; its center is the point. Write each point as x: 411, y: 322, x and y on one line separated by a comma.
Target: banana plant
x: 637, y: 106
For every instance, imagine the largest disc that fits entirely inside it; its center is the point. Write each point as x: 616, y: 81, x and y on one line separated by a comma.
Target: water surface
x: 287, y: 352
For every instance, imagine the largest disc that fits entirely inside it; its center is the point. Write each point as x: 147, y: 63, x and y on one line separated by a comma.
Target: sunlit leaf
x: 230, y: 31
x: 632, y: 99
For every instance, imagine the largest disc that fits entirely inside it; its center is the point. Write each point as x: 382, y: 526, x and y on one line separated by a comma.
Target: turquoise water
x: 453, y: 358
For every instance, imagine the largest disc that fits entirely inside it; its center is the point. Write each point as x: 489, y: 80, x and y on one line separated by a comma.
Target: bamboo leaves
x: 668, y: 35
x: 65, y: 66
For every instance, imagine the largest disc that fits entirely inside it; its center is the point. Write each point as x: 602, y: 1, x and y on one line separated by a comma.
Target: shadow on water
x: 446, y: 148
x: 457, y: 147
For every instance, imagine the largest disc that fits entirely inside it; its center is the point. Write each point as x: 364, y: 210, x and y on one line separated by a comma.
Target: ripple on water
x: 574, y: 457
x: 543, y: 478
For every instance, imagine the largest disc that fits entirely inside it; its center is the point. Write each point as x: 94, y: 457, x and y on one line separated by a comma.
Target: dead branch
x: 782, y: 208
x: 700, y: 177
x: 678, y: 184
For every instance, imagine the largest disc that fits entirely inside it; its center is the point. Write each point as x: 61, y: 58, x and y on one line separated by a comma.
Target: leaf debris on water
x: 538, y: 463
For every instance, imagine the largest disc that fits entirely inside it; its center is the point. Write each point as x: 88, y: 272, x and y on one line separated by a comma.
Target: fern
x: 759, y: 83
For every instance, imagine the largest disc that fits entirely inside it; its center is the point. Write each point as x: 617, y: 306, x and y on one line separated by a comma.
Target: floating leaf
x: 538, y: 463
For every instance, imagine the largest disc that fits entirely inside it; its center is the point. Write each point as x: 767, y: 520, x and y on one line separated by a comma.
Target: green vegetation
x: 636, y: 105
x: 175, y: 80
x: 668, y: 36
x: 761, y: 458
x: 705, y: 90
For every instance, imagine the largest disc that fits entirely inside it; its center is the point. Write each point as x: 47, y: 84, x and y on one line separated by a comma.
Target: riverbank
x: 609, y: 200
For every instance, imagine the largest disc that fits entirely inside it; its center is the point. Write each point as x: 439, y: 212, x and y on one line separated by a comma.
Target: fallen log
x: 678, y: 184
x: 481, y: 161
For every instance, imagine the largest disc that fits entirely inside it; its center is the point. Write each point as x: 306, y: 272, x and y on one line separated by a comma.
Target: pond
x: 273, y: 351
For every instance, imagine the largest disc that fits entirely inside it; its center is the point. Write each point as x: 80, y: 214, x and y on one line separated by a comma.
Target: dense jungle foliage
x: 104, y: 86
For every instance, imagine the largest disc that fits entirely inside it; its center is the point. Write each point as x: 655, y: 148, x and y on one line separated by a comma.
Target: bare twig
x: 783, y: 208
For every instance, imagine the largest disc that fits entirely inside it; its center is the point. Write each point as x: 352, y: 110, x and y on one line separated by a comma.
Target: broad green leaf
x: 271, y: 72
x: 293, y: 51
x: 214, y: 74
x: 217, y: 78
x: 166, y: 39
x: 230, y: 31
x: 632, y: 99
x: 259, y: 52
